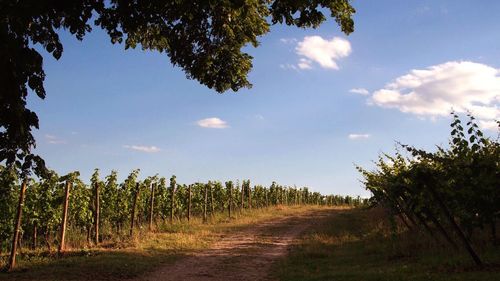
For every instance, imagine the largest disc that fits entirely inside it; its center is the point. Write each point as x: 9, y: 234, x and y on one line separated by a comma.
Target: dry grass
x: 124, y: 257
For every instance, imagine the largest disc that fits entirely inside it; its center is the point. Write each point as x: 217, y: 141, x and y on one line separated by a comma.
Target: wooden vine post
x: 267, y: 198
x: 15, y: 238
x: 65, y: 216
x: 151, y: 206
x: 286, y: 196
x: 455, y: 226
x: 212, y: 205
x: 172, y: 198
x: 35, y: 234
x: 242, y: 196
x: 134, y: 204
x: 249, y: 195
x: 205, y: 204
x: 229, y: 186
x: 96, y: 214
x: 189, y: 203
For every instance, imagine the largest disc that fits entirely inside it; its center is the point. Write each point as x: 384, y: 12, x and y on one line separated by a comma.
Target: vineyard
x: 444, y: 200
x: 59, y: 212
x: 451, y: 195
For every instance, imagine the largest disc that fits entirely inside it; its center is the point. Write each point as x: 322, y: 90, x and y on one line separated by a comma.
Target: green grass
x: 357, y: 245
x: 132, y: 257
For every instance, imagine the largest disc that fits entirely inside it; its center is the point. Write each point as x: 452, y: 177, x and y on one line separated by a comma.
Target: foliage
x: 453, y: 191
x: 7, y: 203
x: 44, y: 203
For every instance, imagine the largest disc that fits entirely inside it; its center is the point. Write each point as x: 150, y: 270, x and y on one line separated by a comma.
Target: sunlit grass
x: 125, y: 257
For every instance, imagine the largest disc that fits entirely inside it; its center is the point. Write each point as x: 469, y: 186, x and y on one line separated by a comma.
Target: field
x: 145, y: 252
x: 278, y: 243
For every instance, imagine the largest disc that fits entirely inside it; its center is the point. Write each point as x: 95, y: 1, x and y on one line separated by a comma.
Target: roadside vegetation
x: 432, y: 216
x: 145, y: 251
x: 361, y: 245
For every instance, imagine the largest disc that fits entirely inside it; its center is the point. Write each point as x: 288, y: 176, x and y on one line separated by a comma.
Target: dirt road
x: 243, y: 255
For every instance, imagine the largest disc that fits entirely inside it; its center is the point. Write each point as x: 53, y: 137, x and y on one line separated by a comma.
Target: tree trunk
x: 151, y: 208
x: 15, y: 239
x: 97, y: 213
x: 64, y: 216
x: 134, y: 204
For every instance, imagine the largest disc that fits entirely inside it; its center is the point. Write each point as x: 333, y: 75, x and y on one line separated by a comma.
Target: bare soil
x: 246, y: 254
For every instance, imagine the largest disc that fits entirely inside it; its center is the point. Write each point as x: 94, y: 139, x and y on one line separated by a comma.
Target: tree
x: 204, y: 38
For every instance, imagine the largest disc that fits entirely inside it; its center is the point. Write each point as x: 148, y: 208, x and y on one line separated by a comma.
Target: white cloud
x: 435, y: 91
x: 489, y: 125
x: 54, y: 139
x: 361, y: 91
x: 212, y: 122
x: 358, y: 136
x: 143, y: 148
x: 322, y: 51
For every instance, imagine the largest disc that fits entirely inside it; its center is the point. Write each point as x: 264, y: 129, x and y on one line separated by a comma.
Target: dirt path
x: 243, y: 255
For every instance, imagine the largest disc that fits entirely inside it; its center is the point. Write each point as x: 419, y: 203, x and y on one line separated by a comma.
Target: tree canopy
x: 205, y: 38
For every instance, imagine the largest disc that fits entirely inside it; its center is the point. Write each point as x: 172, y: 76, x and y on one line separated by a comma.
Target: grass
x: 132, y: 257
x: 357, y: 245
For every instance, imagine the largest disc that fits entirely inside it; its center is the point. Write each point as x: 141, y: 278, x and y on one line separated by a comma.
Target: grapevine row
x: 105, y: 209
x: 451, y: 194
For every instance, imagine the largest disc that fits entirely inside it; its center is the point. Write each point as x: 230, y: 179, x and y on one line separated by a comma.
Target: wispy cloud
x: 143, y: 148
x: 289, y: 66
x: 259, y: 117
x: 54, y: 139
x: 360, y: 91
x: 358, y: 136
x: 288, y: 40
x: 463, y: 86
x: 213, y: 123
x: 304, y: 64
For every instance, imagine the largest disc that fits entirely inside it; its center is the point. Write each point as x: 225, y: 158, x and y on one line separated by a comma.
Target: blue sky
x: 321, y: 101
